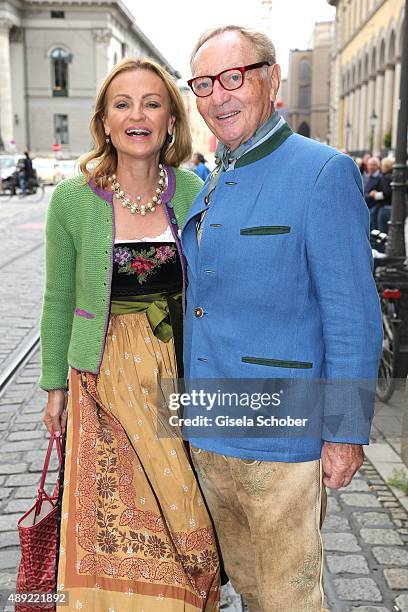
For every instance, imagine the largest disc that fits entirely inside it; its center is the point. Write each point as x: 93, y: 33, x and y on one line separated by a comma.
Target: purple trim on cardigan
x: 175, y: 230
x: 102, y: 193
x: 171, y: 185
x: 171, y: 215
x: 108, y: 197
x: 84, y: 313
x: 166, y: 197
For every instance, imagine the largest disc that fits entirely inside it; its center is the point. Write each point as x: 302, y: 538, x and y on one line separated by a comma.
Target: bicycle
x: 391, y: 277
x: 35, y: 189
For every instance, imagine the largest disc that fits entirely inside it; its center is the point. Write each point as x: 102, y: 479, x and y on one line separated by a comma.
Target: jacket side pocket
x: 278, y: 363
x: 265, y: 230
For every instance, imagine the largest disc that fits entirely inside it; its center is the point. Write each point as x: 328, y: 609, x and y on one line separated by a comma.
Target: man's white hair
x: 264, y: 47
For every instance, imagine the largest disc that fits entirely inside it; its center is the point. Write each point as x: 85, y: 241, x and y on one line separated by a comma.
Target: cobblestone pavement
x: 365, y: 533
x: 21, y: 269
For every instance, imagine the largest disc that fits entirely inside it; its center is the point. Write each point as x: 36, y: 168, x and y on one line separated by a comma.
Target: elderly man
x: 371, y: 182
x: 280, y: 286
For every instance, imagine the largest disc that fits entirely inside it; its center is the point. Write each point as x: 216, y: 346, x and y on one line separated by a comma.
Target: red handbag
x: 38, y: 539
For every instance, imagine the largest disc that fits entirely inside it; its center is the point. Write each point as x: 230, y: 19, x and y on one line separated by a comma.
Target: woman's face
x: 138, y: 115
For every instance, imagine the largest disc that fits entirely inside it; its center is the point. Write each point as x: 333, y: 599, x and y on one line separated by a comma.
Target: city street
x: 366, y: 527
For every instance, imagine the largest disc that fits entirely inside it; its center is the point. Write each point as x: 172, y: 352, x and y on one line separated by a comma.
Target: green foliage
x: 399, y: 479
x: 387, y: 140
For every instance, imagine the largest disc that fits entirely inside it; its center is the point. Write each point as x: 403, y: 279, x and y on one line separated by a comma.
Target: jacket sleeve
x: 59, y: 299
x: 340, y: 261
x: 385, y: 187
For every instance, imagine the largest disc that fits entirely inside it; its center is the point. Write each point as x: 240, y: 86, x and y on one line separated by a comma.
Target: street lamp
x: 399, y: 184
x: 373, y: 123
x: 348, y: 132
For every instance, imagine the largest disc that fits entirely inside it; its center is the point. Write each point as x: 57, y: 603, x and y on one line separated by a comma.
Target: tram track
x: 18, y: 359
x: 23, y: 254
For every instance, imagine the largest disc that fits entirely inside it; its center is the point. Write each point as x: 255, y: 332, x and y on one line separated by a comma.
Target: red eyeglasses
x: 230, y: 79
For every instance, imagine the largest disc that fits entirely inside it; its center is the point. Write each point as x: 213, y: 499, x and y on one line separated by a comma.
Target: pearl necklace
x: 136, y: 207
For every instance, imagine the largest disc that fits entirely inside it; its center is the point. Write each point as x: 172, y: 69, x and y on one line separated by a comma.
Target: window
x: 57, y: 14
x: 61, y: 129
x: 59, y: 66
x: 123, y: 49
x: 304, y: 70
x: 304, y: 96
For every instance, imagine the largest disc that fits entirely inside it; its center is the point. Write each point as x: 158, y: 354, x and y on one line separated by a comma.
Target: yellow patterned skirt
x: 135, y: 534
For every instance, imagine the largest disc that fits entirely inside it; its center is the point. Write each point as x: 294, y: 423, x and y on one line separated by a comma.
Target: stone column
x: 102, y: 37
x: 20, y: 101
x: 356, y: 121
x: 387, y: 103
x: 349, y: 140
x: 370, y: 108
x: 397, y: 83
x: 6, y: 103
x: 343, y: 124
x: 363, y: 116
x: 379, y: 98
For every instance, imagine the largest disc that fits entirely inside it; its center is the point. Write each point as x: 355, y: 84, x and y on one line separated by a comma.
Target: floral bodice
x: 141, y: 268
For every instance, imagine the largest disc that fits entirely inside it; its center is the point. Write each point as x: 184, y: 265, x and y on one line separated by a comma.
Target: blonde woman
x: 134, y: 532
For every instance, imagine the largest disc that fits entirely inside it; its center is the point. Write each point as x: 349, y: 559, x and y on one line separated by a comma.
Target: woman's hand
x: 55, y: 415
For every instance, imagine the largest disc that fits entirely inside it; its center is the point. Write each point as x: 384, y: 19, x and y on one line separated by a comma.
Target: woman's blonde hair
x: 102, y: 160
x: 387, y: 164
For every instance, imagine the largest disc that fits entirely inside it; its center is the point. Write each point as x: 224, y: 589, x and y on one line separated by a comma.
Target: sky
x: 174, y: 26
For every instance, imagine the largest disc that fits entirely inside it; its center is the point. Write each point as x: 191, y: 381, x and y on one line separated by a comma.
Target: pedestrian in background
x: 383, y: 194
x: 24, y: 172
x: 363, y: 167
x: 280, y: 285
x: 371, y: 182
x: 135, y: 533
x: 200, y: 167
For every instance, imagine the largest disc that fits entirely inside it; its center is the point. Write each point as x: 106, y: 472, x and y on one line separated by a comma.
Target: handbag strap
x: 57, y: 440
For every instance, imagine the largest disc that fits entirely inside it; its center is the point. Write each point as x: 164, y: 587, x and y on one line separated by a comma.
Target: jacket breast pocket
x: 265, y: 230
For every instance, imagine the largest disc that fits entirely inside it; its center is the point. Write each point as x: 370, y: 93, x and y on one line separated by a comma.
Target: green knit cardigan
x: 79, y: 246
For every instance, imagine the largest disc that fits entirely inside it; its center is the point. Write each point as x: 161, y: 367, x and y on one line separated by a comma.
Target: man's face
x: 372, y: 166
x: 234, y: 116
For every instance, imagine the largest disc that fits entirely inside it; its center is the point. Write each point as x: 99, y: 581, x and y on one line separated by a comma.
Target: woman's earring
x: 170, y: 139
x: 107, y: 139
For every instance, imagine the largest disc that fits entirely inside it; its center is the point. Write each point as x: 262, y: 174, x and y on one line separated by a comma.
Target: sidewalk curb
x: 386, y: 460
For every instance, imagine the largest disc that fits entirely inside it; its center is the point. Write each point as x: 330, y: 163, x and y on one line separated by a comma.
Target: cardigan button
x: 198, y: 312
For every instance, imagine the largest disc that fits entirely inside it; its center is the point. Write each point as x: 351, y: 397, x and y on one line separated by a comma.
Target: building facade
x: 53, y: 56
x: 308, y: 84
x: 365, y: 74
x: 203, y: 140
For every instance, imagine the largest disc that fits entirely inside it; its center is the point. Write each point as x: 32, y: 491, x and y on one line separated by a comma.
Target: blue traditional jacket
x: 282, y: 286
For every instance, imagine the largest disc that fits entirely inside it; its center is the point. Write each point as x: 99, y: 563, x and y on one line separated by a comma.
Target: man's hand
x: 340, y: 462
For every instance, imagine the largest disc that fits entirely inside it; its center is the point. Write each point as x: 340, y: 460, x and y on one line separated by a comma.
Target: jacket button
x: 198, y: 312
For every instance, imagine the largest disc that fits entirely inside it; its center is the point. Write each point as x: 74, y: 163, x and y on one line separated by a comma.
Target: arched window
x: 304, y: 70
x: 59, y: 71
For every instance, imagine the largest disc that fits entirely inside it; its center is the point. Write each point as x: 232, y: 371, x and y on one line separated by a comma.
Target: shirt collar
x: 226, y: 157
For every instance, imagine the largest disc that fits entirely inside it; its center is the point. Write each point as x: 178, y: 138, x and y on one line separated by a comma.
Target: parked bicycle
x: 34, y: 188
x: 391, y: 277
